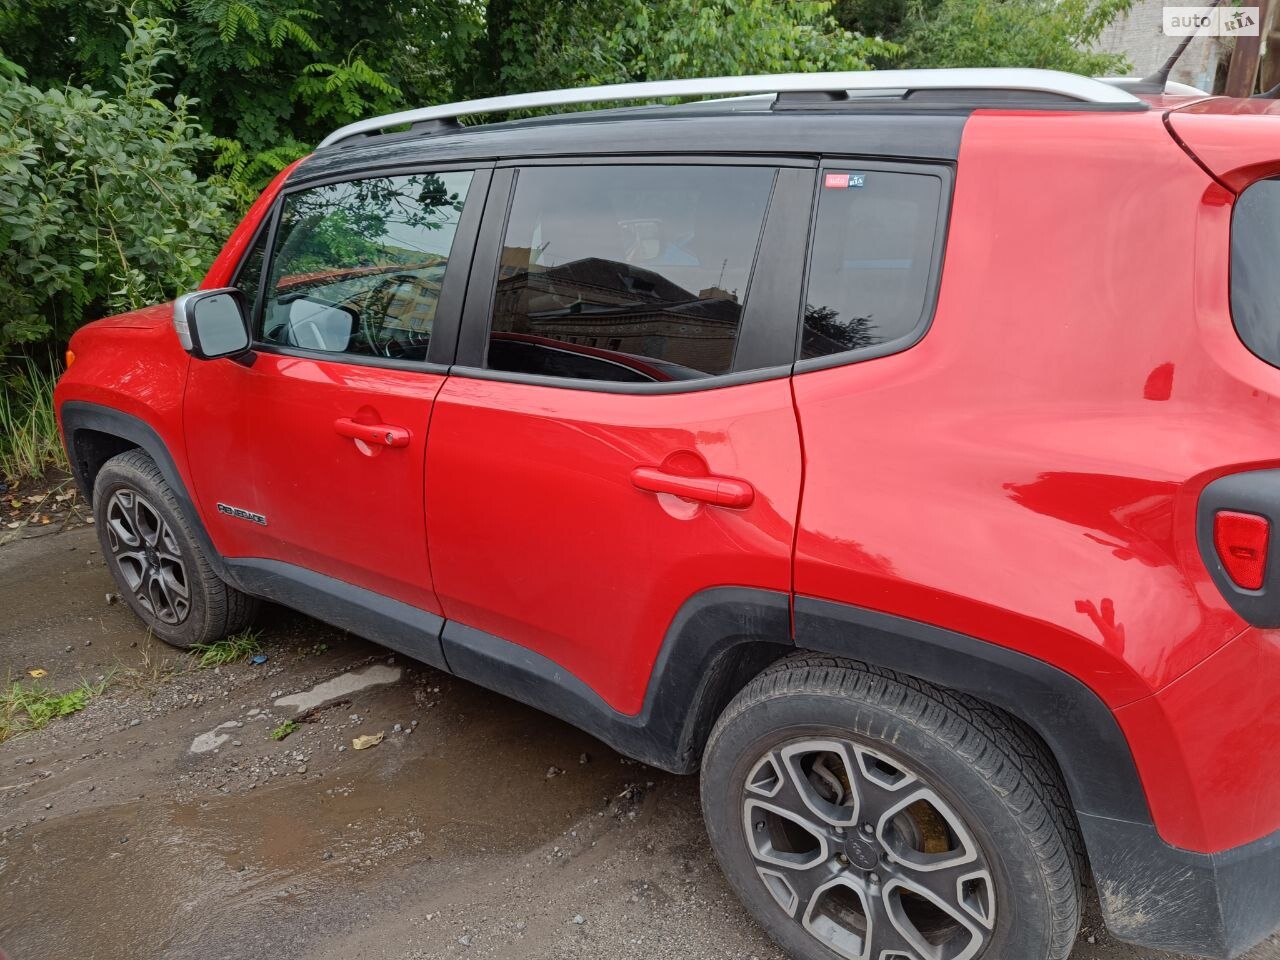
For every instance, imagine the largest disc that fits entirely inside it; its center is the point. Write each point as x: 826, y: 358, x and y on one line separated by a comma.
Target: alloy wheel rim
x: 147, y: 555
x: 865, y: 855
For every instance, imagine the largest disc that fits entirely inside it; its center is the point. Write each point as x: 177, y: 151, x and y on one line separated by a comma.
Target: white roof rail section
x: 1172, y: 88
x: 1067, y: 85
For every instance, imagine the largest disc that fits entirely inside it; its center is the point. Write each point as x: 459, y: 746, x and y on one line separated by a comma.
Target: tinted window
x: 872, y: 259
x: 627, y: 273
x: 358, y: 265
x: 1255, y: 280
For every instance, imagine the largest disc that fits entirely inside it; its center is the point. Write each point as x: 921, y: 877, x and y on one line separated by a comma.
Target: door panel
x: 598, y: 455
x: 266, y: 439
x: 543, y: 538
x: 310, y: 450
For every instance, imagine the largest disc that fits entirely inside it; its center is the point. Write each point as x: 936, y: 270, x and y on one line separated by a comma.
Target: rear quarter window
x: 1255, y: 277
x: 874, y: 257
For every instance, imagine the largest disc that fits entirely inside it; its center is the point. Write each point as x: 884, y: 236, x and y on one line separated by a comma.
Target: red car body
x: 1026, y: 476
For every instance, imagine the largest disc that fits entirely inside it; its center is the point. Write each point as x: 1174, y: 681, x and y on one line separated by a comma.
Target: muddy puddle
x: 165, y: 815
x: 147, y: 877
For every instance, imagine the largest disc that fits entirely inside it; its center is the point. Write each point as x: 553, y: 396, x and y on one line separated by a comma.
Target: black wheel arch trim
x: 78, y: 416
x: 1079, y: 729
x: 717, y: 641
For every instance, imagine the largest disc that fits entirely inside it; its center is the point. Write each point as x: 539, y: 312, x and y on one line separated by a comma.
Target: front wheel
x: 156, y: 562
x: 864, y: 815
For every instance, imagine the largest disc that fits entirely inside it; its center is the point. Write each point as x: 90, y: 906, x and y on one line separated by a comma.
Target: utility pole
x: 1271, y: 47
x: 1242, y: 76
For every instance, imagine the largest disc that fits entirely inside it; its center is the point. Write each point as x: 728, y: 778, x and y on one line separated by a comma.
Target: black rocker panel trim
x: 718, y: 640
x: 82, y: 423
x: 402, y: 627
x: 1078, y: 727
x: 1254, y: 491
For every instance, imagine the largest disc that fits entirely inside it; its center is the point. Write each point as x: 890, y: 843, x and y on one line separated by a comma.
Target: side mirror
x: 211, y: 323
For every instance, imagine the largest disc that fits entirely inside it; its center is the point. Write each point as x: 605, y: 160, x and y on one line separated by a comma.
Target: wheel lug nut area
x: 858, y: 850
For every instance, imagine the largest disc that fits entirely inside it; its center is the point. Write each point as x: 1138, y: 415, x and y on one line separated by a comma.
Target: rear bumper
x: 1206, y: 904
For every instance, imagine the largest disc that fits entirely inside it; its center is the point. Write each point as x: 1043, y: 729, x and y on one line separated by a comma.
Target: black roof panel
x: 741, y: 128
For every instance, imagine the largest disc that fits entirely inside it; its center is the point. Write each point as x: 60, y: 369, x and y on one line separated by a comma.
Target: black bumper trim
x: 1208, y: 904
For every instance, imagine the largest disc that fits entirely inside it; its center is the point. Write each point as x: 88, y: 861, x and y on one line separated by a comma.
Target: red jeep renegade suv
x: 902, y: 449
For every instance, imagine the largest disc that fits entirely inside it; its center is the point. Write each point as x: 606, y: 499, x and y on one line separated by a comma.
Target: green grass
x: 237, y: 647
x: 29, y: 706
x: 29, y: 442
x: 286, y: 728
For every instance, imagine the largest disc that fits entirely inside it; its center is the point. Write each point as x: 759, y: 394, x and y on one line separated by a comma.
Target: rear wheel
x: 864, y: 815
x: 156, y: 562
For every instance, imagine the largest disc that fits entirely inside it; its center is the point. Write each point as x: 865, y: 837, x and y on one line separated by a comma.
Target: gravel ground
x: 163, y: 821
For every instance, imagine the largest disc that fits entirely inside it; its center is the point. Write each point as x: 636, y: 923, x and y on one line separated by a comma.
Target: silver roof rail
x: 1172, y: 88
x: 1067, y: 85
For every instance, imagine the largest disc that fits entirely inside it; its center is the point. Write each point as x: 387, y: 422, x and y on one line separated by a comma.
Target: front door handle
x: 717, y: 491
x: 374, y: 434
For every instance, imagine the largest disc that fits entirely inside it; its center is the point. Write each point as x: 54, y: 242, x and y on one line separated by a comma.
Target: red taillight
x: 1241, y: 540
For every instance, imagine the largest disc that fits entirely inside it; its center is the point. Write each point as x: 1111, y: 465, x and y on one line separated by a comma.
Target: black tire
x: 165, y: 559
x: 981, y: 768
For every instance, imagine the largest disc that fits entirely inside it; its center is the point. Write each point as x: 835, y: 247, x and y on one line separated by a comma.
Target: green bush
x: 539, y: 44
x: 100, y: 208
x: 1051, y: 34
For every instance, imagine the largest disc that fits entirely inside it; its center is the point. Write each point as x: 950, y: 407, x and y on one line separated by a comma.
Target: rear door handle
x: 374, y: 434
x: 717, y: 491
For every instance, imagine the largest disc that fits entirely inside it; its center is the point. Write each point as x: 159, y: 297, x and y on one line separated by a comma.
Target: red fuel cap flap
x: 1241, y: 541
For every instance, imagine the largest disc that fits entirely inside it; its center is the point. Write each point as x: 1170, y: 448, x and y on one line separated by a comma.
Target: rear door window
x: 627, y: 273
x: 1255, y: 279
x: 873, y: 261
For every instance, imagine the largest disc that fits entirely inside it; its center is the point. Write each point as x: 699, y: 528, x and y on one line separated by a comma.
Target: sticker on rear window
x: 842, y: 181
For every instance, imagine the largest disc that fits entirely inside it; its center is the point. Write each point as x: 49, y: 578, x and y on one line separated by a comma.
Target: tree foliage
x: 1050, y: 34
x: 271, y: 77
x: 100, y: 206
x: 114, y: 198
x: 268, y: 78
x: 536, y: 45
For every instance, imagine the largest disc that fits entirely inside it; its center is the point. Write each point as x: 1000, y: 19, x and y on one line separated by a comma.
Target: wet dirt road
x: 478, y: 828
